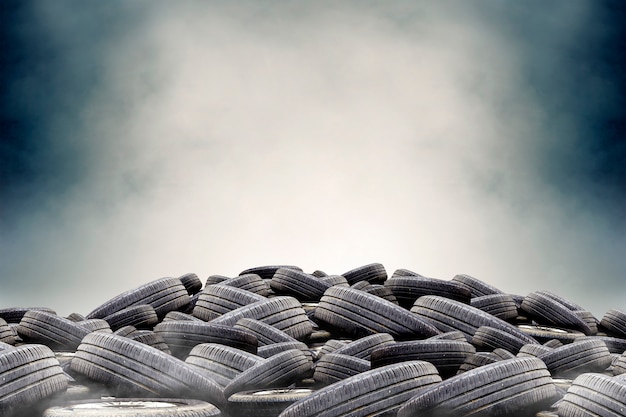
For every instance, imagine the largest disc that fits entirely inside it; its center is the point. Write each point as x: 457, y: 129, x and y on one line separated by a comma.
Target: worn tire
x: 502, y: 306
x: 576, y: 358
x: 216, y: 300
x: 265, y: 333
x: 360, y: 314
x: 594, y: 395
x: 477, y: 287
x: 142, y: 316
x: 488, y: 338
x: 221, y: 363
x: 266, y: 402
x: 407, y: 289
x: 547, y: 310
x: 373, y: 273
x: 499, y: 389
x: 362, y: 348
x: 303, y: 286
x: 370, y: 393
x: 335, y: 367
x: 49, y: 329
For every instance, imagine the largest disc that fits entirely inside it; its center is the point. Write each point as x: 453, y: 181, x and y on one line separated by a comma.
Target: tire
x: 265, y: 403
x: 407, y: 289
x: 51, y: 330
x: 7, y: 335
x: 453, y: 335
x: 619, y: 366
x: 141, y: 316
x: 477, y: 287
x: 488, y: 338
x: 15, y: 314
x: 335, y: 367
x: 594, y: 395
x: 535, y: 350
x: 330, y: 346
x: 29, y: 374
x: 363, y: 347
x: 180, y: 316
x: 164, y: 295
x: 221, y: 363
x: 75, y: 317
x: 266, y: 334
x: 571, y: 360
x: 477, y: 360
x: 614, y: 344
x: 373, y: 273
x: 298, y: 284
x: 182, y: 336
x: 359, y: 314
x: 284, y: 313
x: 95, y: 325
x: 371, y: 393
x: 545, y: 309
x: 613, y: 322
x: 191, y: 282
x: 150, y: 338
x: 268, y: 351
x: 382, y: 292
x: 128, y: 368
x: 216, y: 300
x: 249, y: 282
x: 449, y: 315
x: 267, y: 271
x: 278, y: 370
x: 135, y: 407
x: 499, y: 389
x: 446, y: 355
x: 501, y: 306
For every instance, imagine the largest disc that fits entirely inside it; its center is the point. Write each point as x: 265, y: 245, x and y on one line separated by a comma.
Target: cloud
x: 211, y: 137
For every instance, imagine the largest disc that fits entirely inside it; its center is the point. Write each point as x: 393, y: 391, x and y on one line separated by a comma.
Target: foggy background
x: 147, y: 139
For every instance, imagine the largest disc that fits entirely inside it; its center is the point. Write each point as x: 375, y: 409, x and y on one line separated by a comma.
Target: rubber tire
x: 502, y: 306
x: 373, y: 273
x: 594, y: 395
x: 335, y: 367
x: 546, y: 310
x: 29, y: 374
x: 182, y: 336
x: 359, y: 314
x: 488, y: 338
x: 370, y: 393
x: 222, y: 363
x: 7, y: 334
x: 449, y: 315
x: 407, y: 289
x: 571, y: 360
x: 51, y: 330
x: 446, y: 355
x: 499, y: 389
x: 613, y: 322
x: 216, y: 300
x: 141, y: 316
x: 284, y: 313
x: 363, y: 347
x: 267, y: 271
x: 131, y: 407
x: 191, y: 282
x: 276, y: 371
x: 129, y: 367
x: 164, y: 295
x: 477, y: 287
x: 544, y: 334
x: 265, y: 333
x: 249, y: 282
x: 15, y: 314
x: 303, y: 286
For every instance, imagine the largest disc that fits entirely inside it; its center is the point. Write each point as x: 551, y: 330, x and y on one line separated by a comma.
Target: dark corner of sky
x: 51, y: 62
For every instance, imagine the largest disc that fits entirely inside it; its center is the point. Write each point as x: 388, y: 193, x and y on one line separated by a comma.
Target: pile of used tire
x: 276, y: 341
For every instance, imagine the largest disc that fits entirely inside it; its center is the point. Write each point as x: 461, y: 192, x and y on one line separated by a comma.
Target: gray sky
x: 155, y: 139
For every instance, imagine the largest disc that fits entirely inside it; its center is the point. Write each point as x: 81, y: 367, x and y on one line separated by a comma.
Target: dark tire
x: 56, y: 332
x: 164, y: 295
x: 500, y: 305
x: 407, y: 289
x: 278, y: 370
x: 284, y: 313
x: 265, y: 403
x: 95, y: 325
x: 180, y: 316
x: 268, y: 351
x: 371, y: 393
x: 373, y: 273
x: 594, y: 395
x: 135, y: 407
x: 129, y: 367
x: 502, y: 388
x: 453, y: 335
x: 449, y: 315
x: 221, y: 363
x: 29, y: 374
x: 547, y: 310
x: 533, y: 349
x: 363, y: 347
x: 477, y: 287
x: 76, y: 317
x: 216, y: 300
x: 141, y: 316
x: 150, y: 338
x: 360, y: 314
x: 15, y: 314
x: 330, y: 346
x: 613, y: 322
x: 266, y: 334
x: 446, y: 355
x: 614, y: 344
x: 267, y: 271
x: 303, y: 286
x: 335, y: 367
x: 182, y: 336
x: 249, y: 282
x: 191, y: 282
x: 619, y: 365
x: 488, y: 338
x: 477, y: 360
x: 576, y: 358
x: 7, y: 334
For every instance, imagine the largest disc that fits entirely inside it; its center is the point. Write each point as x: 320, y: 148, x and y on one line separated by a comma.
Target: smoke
x: 210, y: 137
